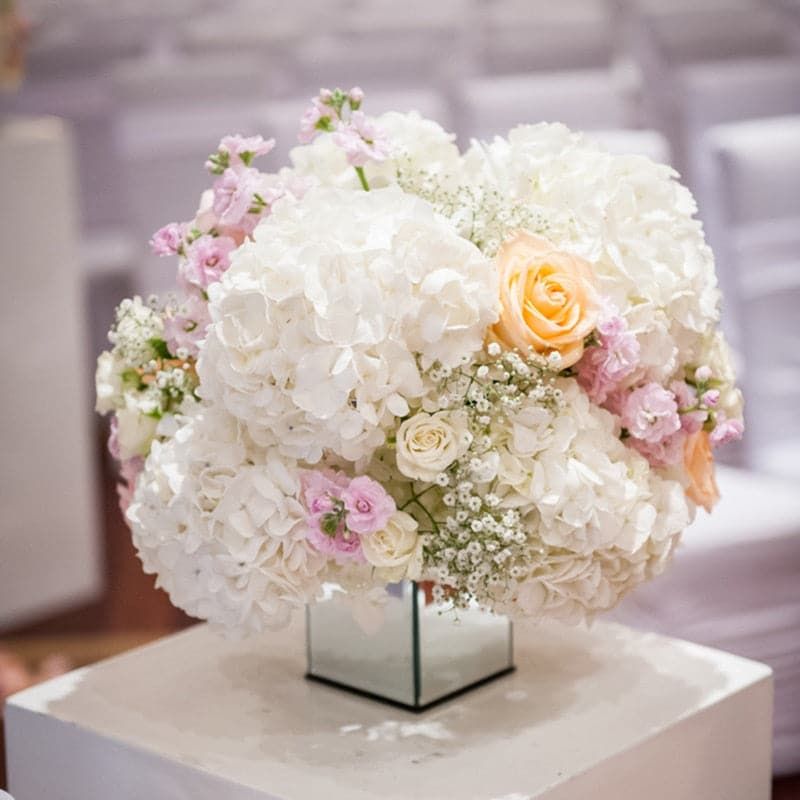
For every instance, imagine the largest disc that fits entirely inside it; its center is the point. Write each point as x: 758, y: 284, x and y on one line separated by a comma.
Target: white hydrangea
x: 319, y: 323
x: 600, y: 521
x: 628, y: 217
x: 219, y: 523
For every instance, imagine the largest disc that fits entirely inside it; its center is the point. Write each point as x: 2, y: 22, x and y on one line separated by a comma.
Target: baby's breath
x: 480, y: 212
x: 481, y: 550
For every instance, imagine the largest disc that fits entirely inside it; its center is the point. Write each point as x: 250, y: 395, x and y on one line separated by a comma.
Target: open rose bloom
x: 393, y: 360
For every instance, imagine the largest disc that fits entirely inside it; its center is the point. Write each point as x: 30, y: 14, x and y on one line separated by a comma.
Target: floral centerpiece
x: 498, y: 371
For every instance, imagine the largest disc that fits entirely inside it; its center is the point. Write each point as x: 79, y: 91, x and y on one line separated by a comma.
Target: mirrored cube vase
x: 423, y: 653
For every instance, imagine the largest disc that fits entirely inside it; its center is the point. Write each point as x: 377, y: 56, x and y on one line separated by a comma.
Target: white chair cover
x: 582, y: 99
x: 715, y: 93
x: 754, y: 174
x: 685, y: 36
x: 48, y: 525
x: 522, y: 36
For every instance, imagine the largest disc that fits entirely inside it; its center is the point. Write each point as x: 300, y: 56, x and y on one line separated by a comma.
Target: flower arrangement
x: 498, y: 371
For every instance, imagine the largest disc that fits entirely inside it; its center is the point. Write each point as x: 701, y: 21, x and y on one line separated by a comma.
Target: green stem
x: 428, y: 515
x: 362, y: 177
x: 415, y: 499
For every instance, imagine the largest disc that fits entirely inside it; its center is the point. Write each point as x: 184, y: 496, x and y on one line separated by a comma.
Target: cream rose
x: 108, y: 383
x: 428, y: 444
x: 547, y: 298
x: 396, y: 551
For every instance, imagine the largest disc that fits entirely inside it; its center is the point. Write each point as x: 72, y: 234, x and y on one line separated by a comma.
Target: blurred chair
x: 51, y: 556
x: 703, y: 33
x: 73, y: 46
x: 346, y: 60
x: 520, y: 35
x: 714, y: 93
x: 733, y: 585
x: 582, y: 99
x: 271, y: 34
x: 171, y: 115
x: 754, y: 174
x: 667, y: 38
x: 377, y: 45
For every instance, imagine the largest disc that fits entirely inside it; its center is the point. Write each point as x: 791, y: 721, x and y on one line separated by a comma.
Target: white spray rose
x: 428, y: 444
x: 396, y: 551
x: 135, y: 430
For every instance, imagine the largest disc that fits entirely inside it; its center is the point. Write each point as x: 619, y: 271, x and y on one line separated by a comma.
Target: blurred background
x: 108, y: 109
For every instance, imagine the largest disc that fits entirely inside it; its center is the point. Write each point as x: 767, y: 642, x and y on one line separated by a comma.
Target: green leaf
x: 160, y: 347
x: 130, y: 377
x: 330, y: 524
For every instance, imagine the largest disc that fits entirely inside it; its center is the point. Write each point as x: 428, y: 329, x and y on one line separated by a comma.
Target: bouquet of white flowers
x: 497, y: 371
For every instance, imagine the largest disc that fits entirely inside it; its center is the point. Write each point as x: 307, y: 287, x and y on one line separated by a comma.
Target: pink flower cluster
x: 658, y: 420
x: 129, y: 469
x: 650, y: 416
x: 237, y: 201
x: 604, y: 366
x: 342, y: 509
x: 185, y: 326
x: 338, y: 112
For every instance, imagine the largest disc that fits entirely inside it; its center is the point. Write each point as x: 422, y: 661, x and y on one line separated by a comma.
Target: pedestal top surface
x: 241, y: 711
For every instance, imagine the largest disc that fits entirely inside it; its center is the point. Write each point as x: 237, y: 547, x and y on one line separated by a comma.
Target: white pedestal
x: 600, y: 713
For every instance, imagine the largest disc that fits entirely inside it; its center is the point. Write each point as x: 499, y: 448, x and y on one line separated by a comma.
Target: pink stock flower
x: 129, y: 471
x: 243, y: 149
x: 327, y: 531
x: 321, y: 488
x: 342, y: 547
x: 308, y: 122
x: 340, y: 510
x: 368, y: 505
x: 206, y: 259
x: 685, y: 394
x: 651, y: 413
x: 711, y: 398
x: 615, y: 401
x: 167, y: 241
x: 692, y: 416
x: 693, y: 421
x: 362, y: 140
x: 726, y: 430
x: 666, y: 453
x: 113, y: 440
x: 234, y: 195
x: 604, y: 366
x: 187, y: 328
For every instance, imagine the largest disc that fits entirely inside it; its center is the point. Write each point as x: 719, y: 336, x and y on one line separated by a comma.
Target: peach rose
x: 699, y: 463
x: 547, y: 297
